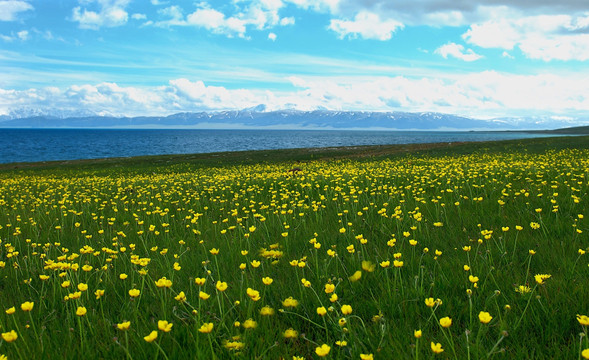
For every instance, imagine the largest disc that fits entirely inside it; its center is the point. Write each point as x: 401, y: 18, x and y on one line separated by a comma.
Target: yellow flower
x: 290, y: 333
x: 290, y: 302
x: 466, y: 267
x: 10, y: 311
x: 322, y: 350
x: 341, y: 343
x: 43, y: 277
x: 10, y: 336
x: 430, y: 302
x: 346, y: 309
x: 321, y: 311
x: 368, y: 266
x: 65, y: 284
x: 163, y: 282
x: 164, y: 325
x: 253, y: 294
x: 27, y: 306
x: 206, y: 328
x: 249, y: 324
x: 366, y: 356
x: 151, y: 337
x: 82, y: 287
x: 583, y: 319
x: 436, y: 348
x: 305, y: 282
x: 255, y: 263
x: 267, y: 280
x: 412, y: 242
x: 385, y: 264
x: 214, y: 251
x: 124, y: 326
x: 585, y: 354
x: 333, y: 298
x: 485, y: 317
x: 356, y: 276
x: 397, y: 263
x: 123, y: 276
x: 473, y: 279
x: 81, y: 311
x: 134, y: 293
x: 180, y: 297
x: 540, y: 278
x: 446, y: 322
x: 267, y: 311
x: 99, y: 293
x: 203, y: 295
x: 417, y: 334
x: 200, y: 281
x: 221, y: 286
x: 329, y: 288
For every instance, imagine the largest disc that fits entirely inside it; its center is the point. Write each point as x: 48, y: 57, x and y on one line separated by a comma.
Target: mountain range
x: 258, y: 118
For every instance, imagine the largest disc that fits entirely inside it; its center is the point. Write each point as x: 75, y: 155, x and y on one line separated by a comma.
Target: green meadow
x: 449, y: 251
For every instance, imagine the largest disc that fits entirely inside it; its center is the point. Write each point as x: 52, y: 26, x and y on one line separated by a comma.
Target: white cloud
x: 457, y: 51
x: 485, y: 94
x: 110, y: 13
x: 272, y: 36
x: 138, y: 16
x: 10, y: 9
x: 23, y: 35
x: 367, y: 25
x: 287, y: 21
x: 545, y: 37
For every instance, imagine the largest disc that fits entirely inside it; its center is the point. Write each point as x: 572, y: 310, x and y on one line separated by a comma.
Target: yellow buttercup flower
x: 430, y: 302
x: 485, y: 317
x: 151, y: 337
x: 329, y: 288
x: 346, y: 309
x: 585, y: 353
x: 583, y: 319
x: 203, y: 295
x: 81, y: 311
x: 356, y: 276
x: 446, y: 322
x: 267, y: 280
x: 134, y: 293
x: 10, y: 336
x: 124, y: 326
x: 249, y: 324
x: 366, y: 356
x: 253, y: 294
x: 290, y: 333
x: 321, y: 311
x: 206, y: 328
x: 368, y: 266
x: 417, y: 334
x: 290, y: 302
x: 164, y: 325
x: 267, y: 311
x: 27, y: 306
x: 436, y: 348
x: 221, y: 286
x: 322, y: 350
x: 10, y: 311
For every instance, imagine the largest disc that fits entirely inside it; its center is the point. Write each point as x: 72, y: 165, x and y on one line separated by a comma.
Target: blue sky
x: 478, y: 58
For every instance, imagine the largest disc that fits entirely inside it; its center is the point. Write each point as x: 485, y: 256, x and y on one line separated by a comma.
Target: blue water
x: 31, y: 145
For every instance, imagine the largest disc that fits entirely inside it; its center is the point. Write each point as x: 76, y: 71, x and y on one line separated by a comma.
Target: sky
x: 477, y: 58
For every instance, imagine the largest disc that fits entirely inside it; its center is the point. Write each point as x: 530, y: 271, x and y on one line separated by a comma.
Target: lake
x: 31, y: 145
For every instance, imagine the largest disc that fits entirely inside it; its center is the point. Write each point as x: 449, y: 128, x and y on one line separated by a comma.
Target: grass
x: 356, y: 248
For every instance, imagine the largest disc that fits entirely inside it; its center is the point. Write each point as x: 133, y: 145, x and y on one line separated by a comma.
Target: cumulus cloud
x: 10, y: 9
x: 545, y: 37
x: 258, y: 14
x: 109, y: 13
x: 457, y: 51
x: 484, y: 94
x: 272, y: 36
x: 366, y: 25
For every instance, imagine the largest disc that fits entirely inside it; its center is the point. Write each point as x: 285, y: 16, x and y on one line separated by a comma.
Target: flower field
x: 415, y: 256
